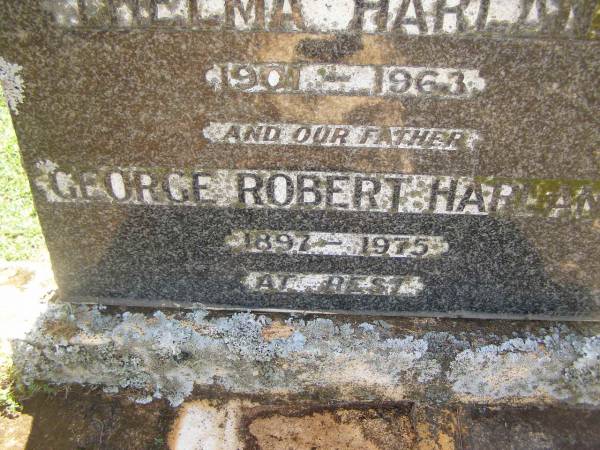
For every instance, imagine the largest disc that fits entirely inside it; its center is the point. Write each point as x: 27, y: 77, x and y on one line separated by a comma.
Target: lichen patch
x: 169, y: 354
x: 12, y: 83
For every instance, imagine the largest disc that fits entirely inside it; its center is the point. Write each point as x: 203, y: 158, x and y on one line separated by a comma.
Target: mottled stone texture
x: 95, y: 99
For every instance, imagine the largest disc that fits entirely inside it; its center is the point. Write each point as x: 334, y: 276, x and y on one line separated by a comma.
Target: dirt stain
x: 341, y: 428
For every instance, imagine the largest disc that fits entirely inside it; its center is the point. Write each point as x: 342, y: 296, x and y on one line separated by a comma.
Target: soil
x: 82, y: 420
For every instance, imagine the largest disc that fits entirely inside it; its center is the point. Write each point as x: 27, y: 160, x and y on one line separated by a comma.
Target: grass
x: 20, y: 233
x: 20, y: 239
x: 9, y: 405
x: 13, y: 392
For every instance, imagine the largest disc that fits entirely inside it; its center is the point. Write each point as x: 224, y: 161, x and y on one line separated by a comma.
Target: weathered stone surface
x: 179, y: 153
x: 168, y: 355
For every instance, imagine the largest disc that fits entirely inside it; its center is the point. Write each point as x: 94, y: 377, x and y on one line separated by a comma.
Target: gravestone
x: 420, y: 157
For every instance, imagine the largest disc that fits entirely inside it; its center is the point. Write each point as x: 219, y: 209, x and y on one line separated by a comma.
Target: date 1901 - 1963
x: 342, y: 79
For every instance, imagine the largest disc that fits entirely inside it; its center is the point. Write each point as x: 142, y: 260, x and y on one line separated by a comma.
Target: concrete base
x: 237, y: 424
x: 241, y: 380
x: 155, y: 354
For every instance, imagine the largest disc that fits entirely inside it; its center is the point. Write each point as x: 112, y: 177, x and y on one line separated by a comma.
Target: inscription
x: 342, y: 79
x: 336, y: 191
x: 562, y: 18
x: 321, y: 135
x: 336, y: 244
x: 332, y: 284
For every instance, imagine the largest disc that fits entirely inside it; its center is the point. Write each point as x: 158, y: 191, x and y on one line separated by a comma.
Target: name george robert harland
x: 566, y: 18
x: 341, y: 191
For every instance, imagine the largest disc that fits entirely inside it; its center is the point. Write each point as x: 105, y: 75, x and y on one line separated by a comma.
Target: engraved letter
x: 361, y: 6
x: 419, y: 20
x: 259, y: 13
x: 459, y: 10
x: 281, y: 21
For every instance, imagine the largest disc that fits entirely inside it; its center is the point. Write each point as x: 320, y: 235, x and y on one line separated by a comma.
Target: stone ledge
x: 167, y: 354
